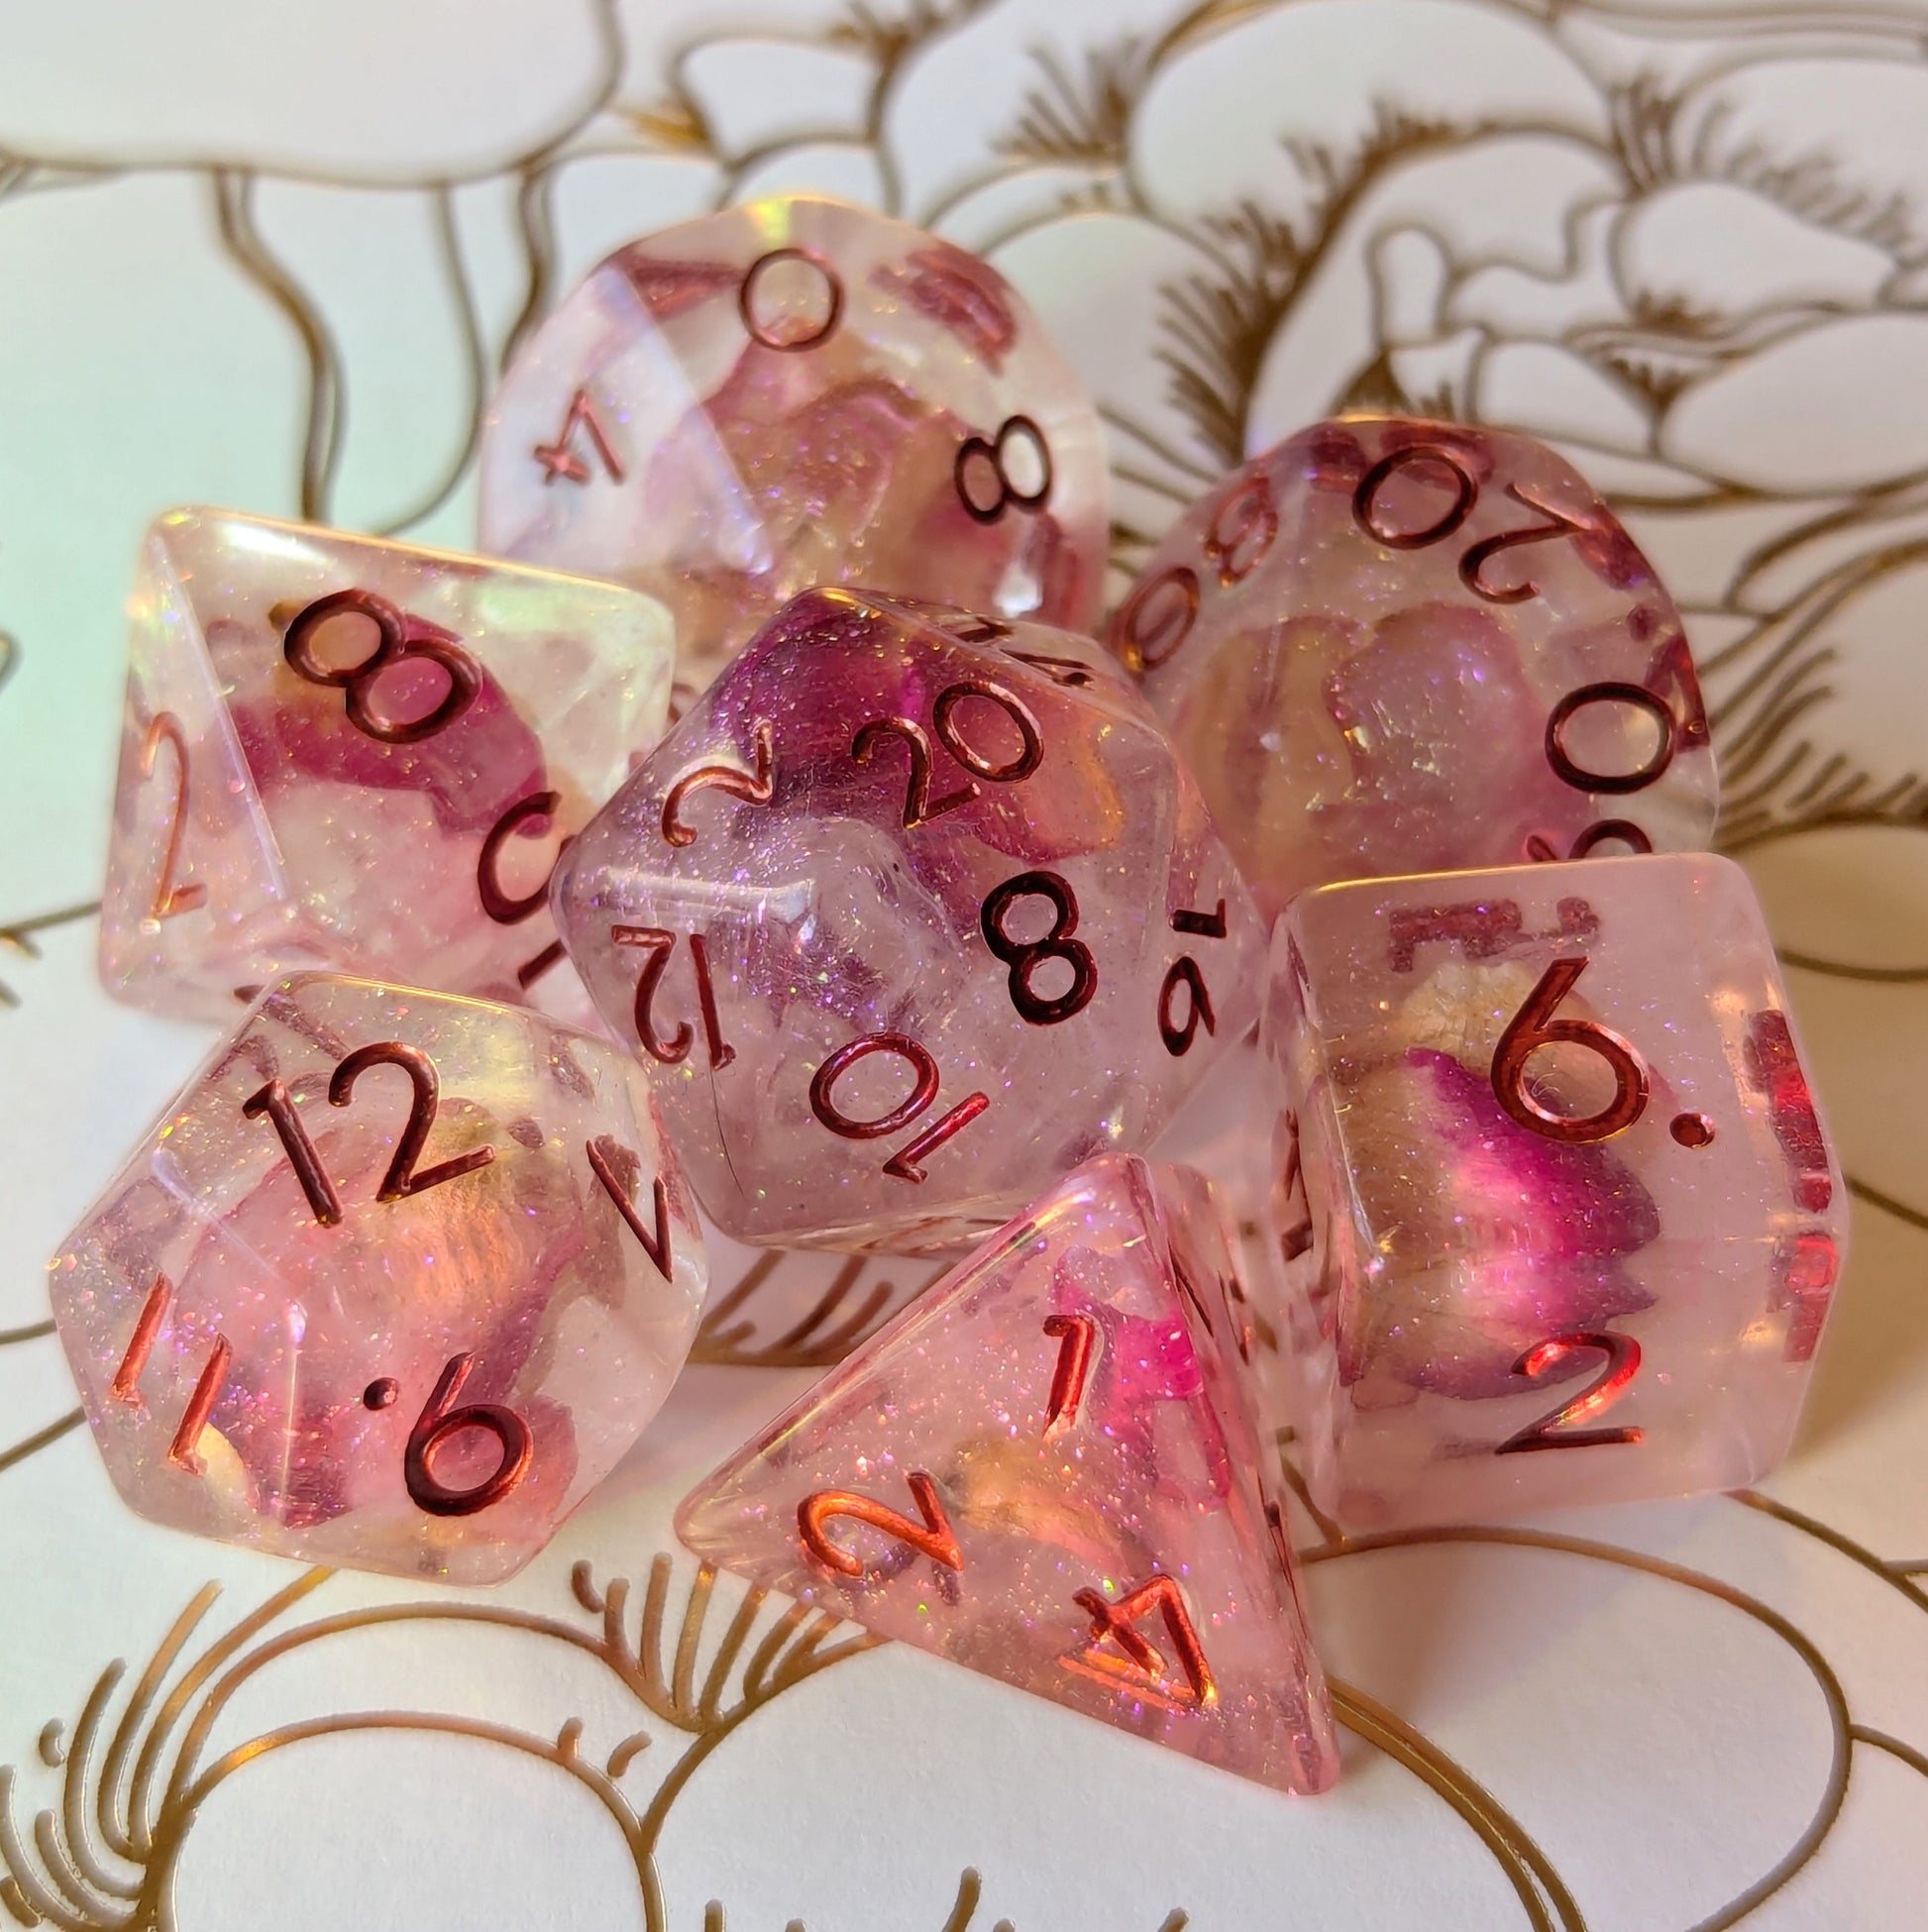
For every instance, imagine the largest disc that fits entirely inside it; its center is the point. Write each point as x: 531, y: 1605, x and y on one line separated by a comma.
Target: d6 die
x: 393, y: 1283
x: 1046, y: 1469
x: 1558, y: 1218
x: 340, y: 752
x: 910, y: 911
x: 794, y: 393
x: 1389, y: 646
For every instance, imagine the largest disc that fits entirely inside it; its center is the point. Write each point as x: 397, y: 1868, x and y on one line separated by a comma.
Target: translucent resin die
x: 792, y: 393
x: 1389, y: 646
x: 1046, y: 1470
x: 1559, y: 1219
x: 344, y: 753
x: 392, y: 1283
x: 913, y: 912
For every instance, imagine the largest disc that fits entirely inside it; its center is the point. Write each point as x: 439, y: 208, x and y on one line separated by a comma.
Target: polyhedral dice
x: 393, y: 1283
x: 1045, y: 1468
x: 1389, y: 646
x: 1559, y: 1219
x: 794, y: 393
x: 910, y: 912
x: 340, y: 752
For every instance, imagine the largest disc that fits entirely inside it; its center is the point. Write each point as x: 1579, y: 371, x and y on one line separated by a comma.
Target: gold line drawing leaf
x: 134, y: 1805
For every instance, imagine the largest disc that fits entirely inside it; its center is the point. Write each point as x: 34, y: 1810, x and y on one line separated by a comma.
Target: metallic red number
x: 1237, y: 551
x: 275, y: 1101
x: 918, y: 806
x: 979, y: 453
x: 607, y: 1155
x: 1610, y: 692
x: 1067, y: 671
x: 558, y: 459
x: 1142, y: 1663
x: 169, y: 899
x: 402, y: 1180
x: 1024, y: 956
x: 757, y: 788
x: 440, y: 1420
x: 932, y: 1538
x: 495, y: 902
x: 1542, y: 851
x: 1156, y: 618
x: 901, y: 1165
x: 1366, y: 499
x: 398, y: 638
x: 1472, y: 566
x: 1554, y: 1430
x: 184, y: 1450
x: 1184, y: 972
x: 810, y: 333
x: 1077, y: 1339
x: 1533, y: 1028
x: 659, y: 943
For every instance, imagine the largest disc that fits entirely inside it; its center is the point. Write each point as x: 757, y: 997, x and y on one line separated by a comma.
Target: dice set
x: 917, y: 928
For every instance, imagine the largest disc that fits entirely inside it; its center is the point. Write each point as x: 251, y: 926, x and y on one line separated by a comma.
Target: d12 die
x: 394, y: 1282
x: 1559, y: 1217
x: 1044, y: 1469
x: 340, y: 752
x: 910, y: 912
x: 795, y: 393
x: 1389, y: 646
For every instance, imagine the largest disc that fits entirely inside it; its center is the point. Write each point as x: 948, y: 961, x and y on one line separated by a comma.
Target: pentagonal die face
x: 1560, y: 1220
x: 393, y: 1283
x: 340, y: 752
x: 912, y: 913
x: 1393, y: 646
x: 794, y: 394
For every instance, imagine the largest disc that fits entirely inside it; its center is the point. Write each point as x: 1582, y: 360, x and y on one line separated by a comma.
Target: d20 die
x: 1558, y: 1218
x: 794, y: 394
x: 393, y: 1283
x: 347, y: 753
x: 910, y: 912
x: 1390, y: 646
x: 1046, y: 1470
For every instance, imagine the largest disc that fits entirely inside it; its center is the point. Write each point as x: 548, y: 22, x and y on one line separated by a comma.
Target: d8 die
x: 797, y: 393
x: 340, y: 752
x: 1389, y: 646
x: 910, y: 911
x: 1046, y: 1469
x: 1558, y: 1218
x: 393, y: 1283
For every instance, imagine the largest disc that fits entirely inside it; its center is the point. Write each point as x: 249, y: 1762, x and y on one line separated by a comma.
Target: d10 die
x: 795, y: 393
x: 340, y: 752
x: 913, y: 912
x: 394, y: 1282
x: 1045, y: 1468
x: 1559, y: 1217
x: 1389, y: 646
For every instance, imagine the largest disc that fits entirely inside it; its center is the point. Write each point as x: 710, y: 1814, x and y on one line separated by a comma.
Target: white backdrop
x: 270, y: 255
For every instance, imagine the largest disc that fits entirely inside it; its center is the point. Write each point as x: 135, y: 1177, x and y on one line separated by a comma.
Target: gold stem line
x: 41, y: 1437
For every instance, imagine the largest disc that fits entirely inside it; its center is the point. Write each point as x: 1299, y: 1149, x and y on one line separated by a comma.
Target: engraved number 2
x: 1555, y: 1431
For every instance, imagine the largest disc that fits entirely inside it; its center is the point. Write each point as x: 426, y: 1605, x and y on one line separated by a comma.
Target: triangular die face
x: 1041, y: 1470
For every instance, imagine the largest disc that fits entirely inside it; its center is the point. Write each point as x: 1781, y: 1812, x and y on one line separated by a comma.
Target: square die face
x: 354, y: 753
x: 904, y: 923
x: 383, y: 1287
x: 1567, y: 1190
